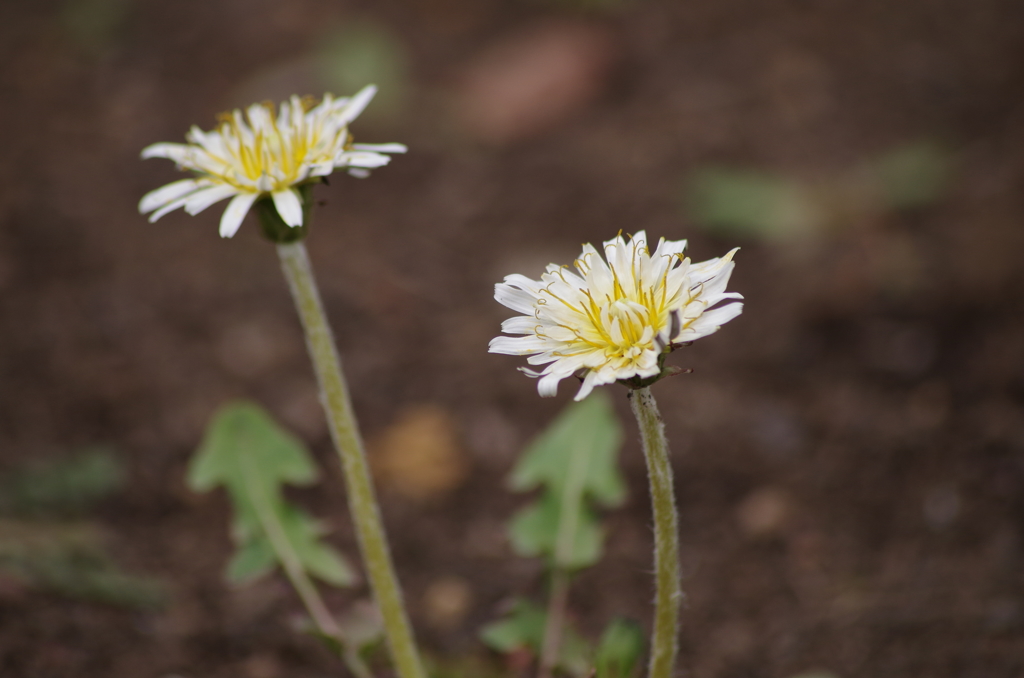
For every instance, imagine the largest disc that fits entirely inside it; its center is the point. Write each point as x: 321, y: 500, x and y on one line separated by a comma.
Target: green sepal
x: 274, y: 228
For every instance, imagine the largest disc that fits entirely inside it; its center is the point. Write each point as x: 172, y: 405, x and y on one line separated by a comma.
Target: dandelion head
x: 265, y: 153
x: 615, y: 317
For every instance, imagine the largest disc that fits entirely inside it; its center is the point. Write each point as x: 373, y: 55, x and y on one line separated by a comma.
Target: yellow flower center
x: 626, y: 323
x: 272, y: 155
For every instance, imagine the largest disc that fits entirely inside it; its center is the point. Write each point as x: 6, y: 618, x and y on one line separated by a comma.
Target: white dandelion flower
x: 261, y: 154
x: 615, y: 319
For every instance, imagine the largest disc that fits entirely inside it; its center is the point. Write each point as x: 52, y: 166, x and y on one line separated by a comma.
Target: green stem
x: 345, y: 433
x: 669, y: 593
x: 557, y: 604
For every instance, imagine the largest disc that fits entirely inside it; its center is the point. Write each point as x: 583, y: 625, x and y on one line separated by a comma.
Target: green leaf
x: 534, y: 532
x: 252, y: 560
x: 620, y: 648
x: 523, y: 629
x: 574, y: 460
x: 322, y: 561
x: 243, y: 440
x: 589, y: 426
x: 745, y: 202
x: 248, y: 453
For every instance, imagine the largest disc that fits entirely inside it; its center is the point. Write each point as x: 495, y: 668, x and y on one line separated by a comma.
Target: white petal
x: 289, y: 206
x: 169, y: 207
x: 381, y: 148
x: 321, y: 169
x: 362, y: 159
x: 165, y: 194
x: 547, y: 386
x: 203, y: 198
x: 518, y: 345
x: 175, y: 152
x: 235, y: 212
x: 710, y: 322
x: 358, y: 172
x: 514, y: 298
x: 589, y: 382
x: 521, y: 324
x: 358, y: 103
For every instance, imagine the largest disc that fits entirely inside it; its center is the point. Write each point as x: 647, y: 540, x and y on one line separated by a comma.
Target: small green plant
x: 574, y: 464
x: 253, y: 458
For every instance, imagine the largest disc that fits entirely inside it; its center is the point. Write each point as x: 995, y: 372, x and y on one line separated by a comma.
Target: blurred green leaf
x: 70, y: 559
x: 363, y: 53
x: 534, y: 532
x: 249, y: 454
x: 758, y: 204
x: 746, y: 202
x: 63, y: 486
x: 619, y: 650
x: 523, y: 629
x: 911, y: 176
x: 590, y: 426
x: 574, y: 461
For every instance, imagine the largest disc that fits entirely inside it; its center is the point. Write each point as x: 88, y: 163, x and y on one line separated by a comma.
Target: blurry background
x: 849, y: 452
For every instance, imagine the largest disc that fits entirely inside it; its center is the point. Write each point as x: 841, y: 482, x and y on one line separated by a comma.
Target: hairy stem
x: 669, y: 593
x: 344, y: 430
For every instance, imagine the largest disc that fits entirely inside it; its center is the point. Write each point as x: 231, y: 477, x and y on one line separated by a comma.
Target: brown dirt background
x: 873, y: 388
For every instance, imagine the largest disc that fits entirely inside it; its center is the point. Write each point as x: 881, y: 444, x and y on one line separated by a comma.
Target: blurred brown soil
x: 849, y: 452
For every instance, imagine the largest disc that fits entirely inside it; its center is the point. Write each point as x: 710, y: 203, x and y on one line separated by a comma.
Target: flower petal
x: 362, y: 159
x: 381, y: 148
x: 203, y: 198
x: 169, y: 193
x: 289, y: 206
x: 176, y: 152
x: 235, y: 212
x: 357, y: 104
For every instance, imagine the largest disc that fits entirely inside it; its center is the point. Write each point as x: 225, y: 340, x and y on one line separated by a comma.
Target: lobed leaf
x: 245, y: 451
x: 574, y: 460
x: 590, y: 426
